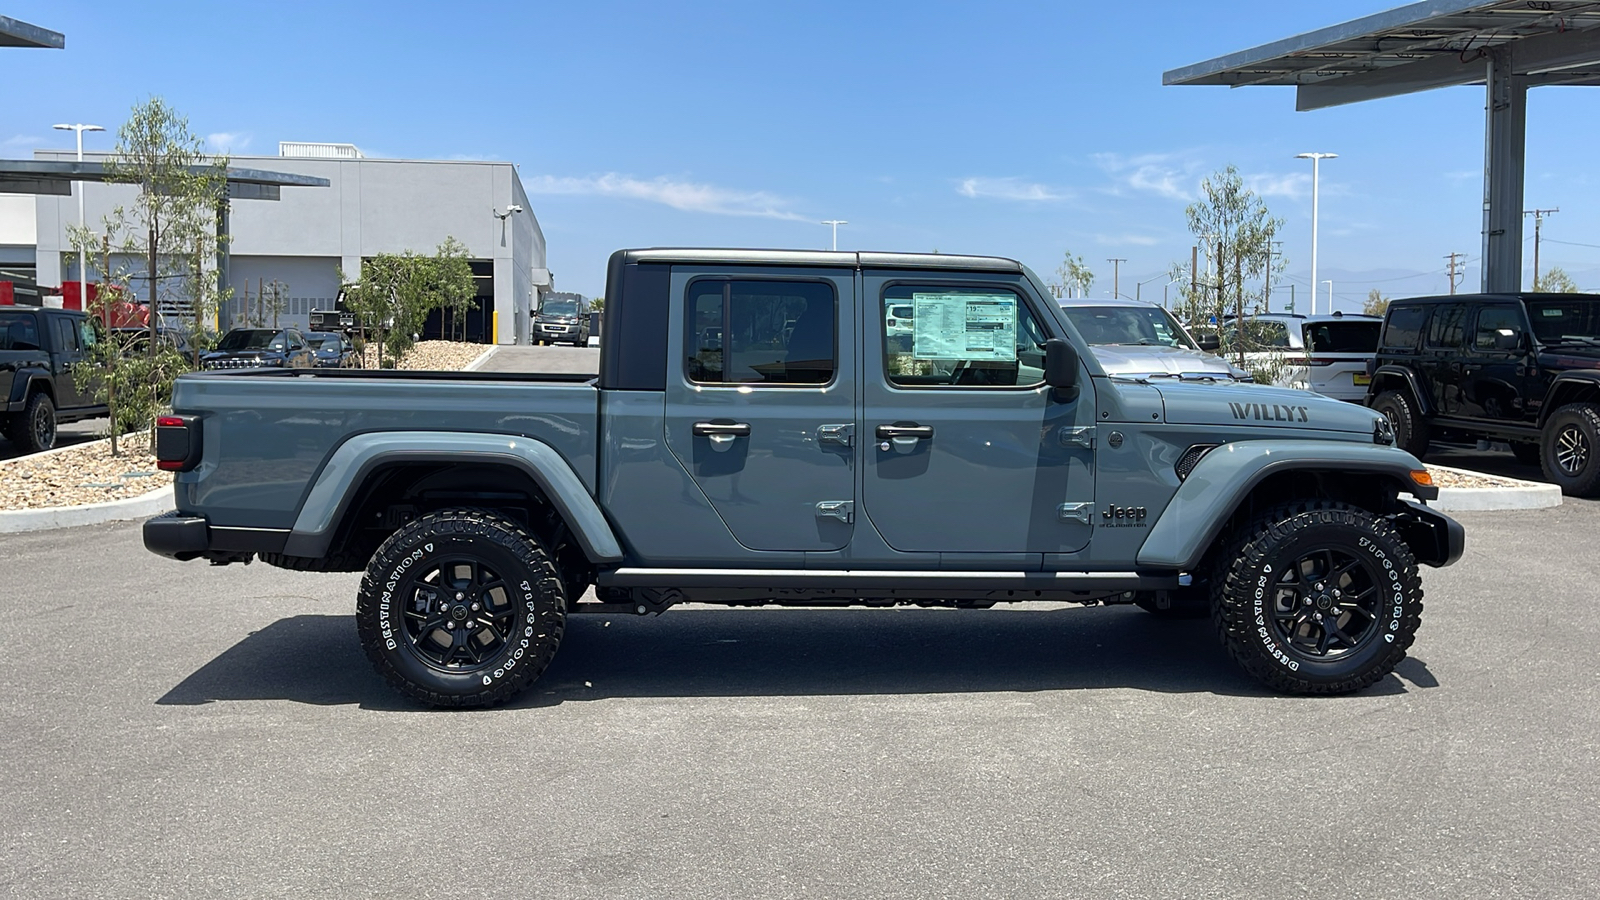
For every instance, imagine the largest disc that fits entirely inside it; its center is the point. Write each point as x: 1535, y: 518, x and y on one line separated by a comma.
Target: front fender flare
x: 1220, y: 482
x: 348, y: 468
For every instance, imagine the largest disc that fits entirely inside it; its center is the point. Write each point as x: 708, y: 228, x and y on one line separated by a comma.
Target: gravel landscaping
x: 437, y: 356
x: 1455, y: 478
x: 86, y: 473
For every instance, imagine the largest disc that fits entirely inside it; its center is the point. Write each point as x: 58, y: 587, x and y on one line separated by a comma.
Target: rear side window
x: 1493, y: 322
x: 1342, y: 337
x: 761, y: 332
x: 1258, y: 335
x: 18, y: 331
x: 1403, y: 327
x: 1448, y: 326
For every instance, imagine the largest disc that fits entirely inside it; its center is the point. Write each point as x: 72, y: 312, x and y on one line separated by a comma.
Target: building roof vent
x: 319, y: 151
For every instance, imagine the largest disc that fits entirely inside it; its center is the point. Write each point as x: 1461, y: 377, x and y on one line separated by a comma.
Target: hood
x: 240, y: 354
x: 1147, y: 359
x: 1258, y: 405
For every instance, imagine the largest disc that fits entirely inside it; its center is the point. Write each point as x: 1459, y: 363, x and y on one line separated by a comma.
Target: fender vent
x: 1191, y: 458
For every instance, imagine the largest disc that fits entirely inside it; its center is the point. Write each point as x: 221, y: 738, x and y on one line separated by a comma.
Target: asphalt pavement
x: 66, y: 435
x: 179, y: 730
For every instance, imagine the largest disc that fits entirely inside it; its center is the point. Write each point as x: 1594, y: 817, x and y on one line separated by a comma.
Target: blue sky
x: 1017, y: 129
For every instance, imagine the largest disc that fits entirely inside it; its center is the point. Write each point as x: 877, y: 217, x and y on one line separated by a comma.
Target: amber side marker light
x: 1422, y: 477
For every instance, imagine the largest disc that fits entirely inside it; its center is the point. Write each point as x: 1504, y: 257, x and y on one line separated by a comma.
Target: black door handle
x: 736, y: 429
x: 909, y: 430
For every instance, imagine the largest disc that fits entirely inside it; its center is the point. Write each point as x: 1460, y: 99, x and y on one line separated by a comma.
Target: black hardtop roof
x: 1511, y: 295
x: 846, y: 258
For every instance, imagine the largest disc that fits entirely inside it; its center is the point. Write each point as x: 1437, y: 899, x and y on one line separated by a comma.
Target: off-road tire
x: 497, y: 552
x: 1382, y: 580
x: 34, y: 429
x: 1411, y: 430
x: 1573, y: 431
x: 1527, y: 454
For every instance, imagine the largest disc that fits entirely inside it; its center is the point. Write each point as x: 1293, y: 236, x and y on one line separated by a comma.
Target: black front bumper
x: 1434, y: 538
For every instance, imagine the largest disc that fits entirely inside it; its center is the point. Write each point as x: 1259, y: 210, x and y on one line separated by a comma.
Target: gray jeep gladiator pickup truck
x: 758, y: 435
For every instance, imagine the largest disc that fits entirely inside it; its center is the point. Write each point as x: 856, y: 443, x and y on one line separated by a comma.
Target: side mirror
x: 1506, y: 339
x: 1060, y: 364
x: 1209, y: 343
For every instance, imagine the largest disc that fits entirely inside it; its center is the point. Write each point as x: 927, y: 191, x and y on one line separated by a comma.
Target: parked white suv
x: 1324, y: 354
x: 1134, y: 338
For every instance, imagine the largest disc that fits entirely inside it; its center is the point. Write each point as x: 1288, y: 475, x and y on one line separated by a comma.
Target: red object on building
x: 71, y: 294
x: 8, y: 294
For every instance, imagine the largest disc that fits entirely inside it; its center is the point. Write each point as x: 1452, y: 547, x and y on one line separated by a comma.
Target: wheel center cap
x: 459, y: 613
x: 1324, y: 602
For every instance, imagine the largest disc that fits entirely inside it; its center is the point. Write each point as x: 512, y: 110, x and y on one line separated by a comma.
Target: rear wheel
x: 1318, y: 598
x: 1411, y: 431
x: 461, y: 608
x: 34, y: 429
x: 1570, y: 451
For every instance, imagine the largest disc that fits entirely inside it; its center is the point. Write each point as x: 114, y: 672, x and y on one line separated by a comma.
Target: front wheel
x: 1570, y: 451
x: 34, y: 429
x: 1318, y: 598
x: 461, y: 608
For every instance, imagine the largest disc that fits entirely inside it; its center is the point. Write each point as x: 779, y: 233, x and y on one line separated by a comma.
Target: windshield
x: 559, y: 308
x: 322, y: 341
x: 1148, y: 325
x: 1575, y: 319
x: 247, y: 339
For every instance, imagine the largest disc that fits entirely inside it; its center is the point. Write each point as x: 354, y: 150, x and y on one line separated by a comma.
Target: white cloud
x: 22, y: 142
x: 688, y: 196
x: 1010, y: 189
x: 1294, y: 185
x: 228, y: 141
x: 1171, y: 175
x: 474, y: 157
x: 1118, y: 240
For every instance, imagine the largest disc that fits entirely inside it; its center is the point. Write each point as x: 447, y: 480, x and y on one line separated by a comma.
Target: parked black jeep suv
x: 1522, y: 368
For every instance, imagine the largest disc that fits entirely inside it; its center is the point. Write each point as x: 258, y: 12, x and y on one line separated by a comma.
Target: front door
x: 966, y: 451
x: 761, y: 400
x: 1496, y: 365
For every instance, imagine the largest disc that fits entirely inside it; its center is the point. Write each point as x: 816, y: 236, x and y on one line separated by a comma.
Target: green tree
x: 1376, y: 303
x: 598, y: 305
x: 1073, y: 277
x: 1555, y: 281
x: 398, y: 291
x: 1235, y: 231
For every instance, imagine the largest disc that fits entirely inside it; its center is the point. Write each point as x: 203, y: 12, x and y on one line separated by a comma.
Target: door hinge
x: 843, y: 510
x: 842, y: 435
x: 1081, y: 512
x: 1077, y: 437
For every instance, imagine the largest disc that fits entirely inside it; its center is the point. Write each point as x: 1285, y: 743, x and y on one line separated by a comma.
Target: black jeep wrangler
x: 1521, y: 368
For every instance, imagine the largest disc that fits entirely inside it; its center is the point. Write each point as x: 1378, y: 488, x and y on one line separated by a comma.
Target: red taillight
x: 177, y: 443
x: 169, y: 422
x: 169, y: 465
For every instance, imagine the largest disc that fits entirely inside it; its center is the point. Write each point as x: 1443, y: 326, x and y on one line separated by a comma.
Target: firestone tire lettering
x: 499, y: 543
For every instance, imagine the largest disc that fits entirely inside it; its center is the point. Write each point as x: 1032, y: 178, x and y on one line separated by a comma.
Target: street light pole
x: 1316, y: 161
x: 835, y: 223
x: 1116, y: 271
x: 77, y: 188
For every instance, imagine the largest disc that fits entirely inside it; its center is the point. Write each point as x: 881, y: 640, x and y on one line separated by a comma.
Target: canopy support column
x: 1505, y: 141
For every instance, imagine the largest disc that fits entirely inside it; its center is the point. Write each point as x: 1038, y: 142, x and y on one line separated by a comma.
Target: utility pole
x: 1194, y: 277
x: 1116, y: 270
x: 1266, y: 290
x: 1538, y: 222
x: 1452, y: 257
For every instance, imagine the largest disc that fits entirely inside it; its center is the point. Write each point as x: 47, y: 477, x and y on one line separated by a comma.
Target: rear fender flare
x: 1423, y: 399
x: 29, y: 380
x: 1220, y: 482
x: 347, y: 469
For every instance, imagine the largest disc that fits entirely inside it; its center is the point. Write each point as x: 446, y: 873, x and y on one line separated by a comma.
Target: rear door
x: 68, y: 353
x: 966, y: 451
x: 1439, y: 363
x: 761, y: 400
x: 1496, y: 364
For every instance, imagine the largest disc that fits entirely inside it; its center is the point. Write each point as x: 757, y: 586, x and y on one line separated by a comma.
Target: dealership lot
x: 175, y: 730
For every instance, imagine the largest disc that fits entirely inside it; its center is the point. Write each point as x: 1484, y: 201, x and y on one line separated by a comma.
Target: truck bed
x: 269, y: 432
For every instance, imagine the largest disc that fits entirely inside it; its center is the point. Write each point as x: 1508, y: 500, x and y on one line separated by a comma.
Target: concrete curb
x: 482, y: 359
x: 16, y: 521
x: 1520, y: 495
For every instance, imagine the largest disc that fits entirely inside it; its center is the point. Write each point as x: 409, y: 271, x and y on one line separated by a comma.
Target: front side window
x: 761, y: 332
x: 961, y: 337
x: 1448, y: 327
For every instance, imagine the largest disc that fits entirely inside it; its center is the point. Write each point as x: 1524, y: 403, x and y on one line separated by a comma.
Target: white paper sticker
x: 964, y: 326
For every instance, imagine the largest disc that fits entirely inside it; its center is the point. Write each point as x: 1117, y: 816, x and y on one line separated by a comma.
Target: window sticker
x: 1551, y: 312
x: 965, y: 326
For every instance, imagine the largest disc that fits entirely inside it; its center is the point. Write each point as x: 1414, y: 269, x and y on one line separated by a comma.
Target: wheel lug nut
x: 475, y: 607
x: 460, y: 596
x: 451, y: 626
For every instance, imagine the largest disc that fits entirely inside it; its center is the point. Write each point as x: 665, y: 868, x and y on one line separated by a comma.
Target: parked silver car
x: 1324, y: 354
x: 1134, y: 338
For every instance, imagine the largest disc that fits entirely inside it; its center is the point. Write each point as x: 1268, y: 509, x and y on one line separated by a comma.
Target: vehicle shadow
x: 759, y: 652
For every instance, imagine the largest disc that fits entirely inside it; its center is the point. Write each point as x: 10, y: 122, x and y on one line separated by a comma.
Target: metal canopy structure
x: 1508, y: 46
x: 53, y: 178
x: 21, y: 34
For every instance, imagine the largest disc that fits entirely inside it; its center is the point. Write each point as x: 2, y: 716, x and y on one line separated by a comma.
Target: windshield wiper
x: 1575, y: 339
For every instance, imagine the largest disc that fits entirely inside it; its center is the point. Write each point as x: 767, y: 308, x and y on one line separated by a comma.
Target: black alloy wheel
x: 35, y: 429
x: 461, y: 607
x: 1316, y: 597
x: 1571, y: 449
